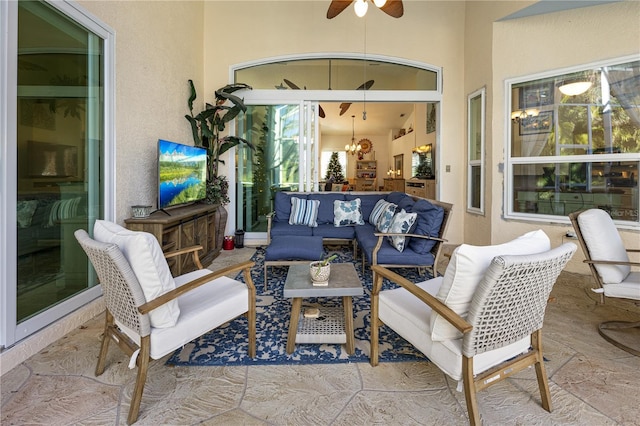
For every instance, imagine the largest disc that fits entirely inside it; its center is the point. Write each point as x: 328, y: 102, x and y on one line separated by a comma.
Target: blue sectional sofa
x: 425, y: 238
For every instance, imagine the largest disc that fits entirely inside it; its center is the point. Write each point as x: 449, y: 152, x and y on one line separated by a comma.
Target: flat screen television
x: 182, y: 174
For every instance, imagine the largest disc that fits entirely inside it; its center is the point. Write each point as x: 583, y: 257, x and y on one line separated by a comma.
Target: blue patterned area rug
x: 227, y: 345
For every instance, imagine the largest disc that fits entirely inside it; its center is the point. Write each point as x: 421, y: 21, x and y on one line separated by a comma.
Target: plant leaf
x: 192, y: 96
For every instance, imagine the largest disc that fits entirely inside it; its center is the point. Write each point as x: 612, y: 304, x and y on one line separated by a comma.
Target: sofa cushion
x: 294, y: 247
x: 327, y: 230
x: 24, y: 213
x: 283, y: 228
x: 395, y: 197
x: 326, y: 209
x: 304, y: 212
x: 367, y: 202
x: 406, y: 204
x: 428, y: 222
x: 282, y: 205
x: 147, y: 260
x: 466, y: 269
x: 347, y: 213
x: 402, y: 223
x: 604, y: 242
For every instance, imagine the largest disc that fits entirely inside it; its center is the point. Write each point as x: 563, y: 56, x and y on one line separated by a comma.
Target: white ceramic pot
x: 319, y: 274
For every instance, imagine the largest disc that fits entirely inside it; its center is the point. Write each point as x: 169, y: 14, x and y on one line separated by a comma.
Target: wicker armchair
x: 611, y: 269
x: 128, y: 322
x: 501, y: 334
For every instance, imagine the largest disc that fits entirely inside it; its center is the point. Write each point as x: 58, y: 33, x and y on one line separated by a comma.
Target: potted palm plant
x: 207, y: 127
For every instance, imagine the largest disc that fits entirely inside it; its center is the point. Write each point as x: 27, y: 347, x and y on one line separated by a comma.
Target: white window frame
x: 479, y: 162
x: 510, y: 162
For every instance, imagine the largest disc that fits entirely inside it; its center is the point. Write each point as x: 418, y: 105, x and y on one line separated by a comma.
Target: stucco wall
x: 429, y: 32
x: 543, y: 43
x: 158, y: 48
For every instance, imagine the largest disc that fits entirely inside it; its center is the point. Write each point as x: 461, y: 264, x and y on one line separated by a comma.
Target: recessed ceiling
x: 381, y: 118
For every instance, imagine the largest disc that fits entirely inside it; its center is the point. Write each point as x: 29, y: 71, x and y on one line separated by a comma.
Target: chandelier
x: 353, y: 147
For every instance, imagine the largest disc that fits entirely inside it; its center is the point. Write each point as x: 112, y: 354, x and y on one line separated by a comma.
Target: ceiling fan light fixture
x: 353, y: 147
x: 360, y: 7
x: 379, y: 3
x: 575, y: 87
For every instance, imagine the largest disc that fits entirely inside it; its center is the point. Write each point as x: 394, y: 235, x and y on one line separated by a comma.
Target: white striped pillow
x: 304, y: 212
x: 381, y: 206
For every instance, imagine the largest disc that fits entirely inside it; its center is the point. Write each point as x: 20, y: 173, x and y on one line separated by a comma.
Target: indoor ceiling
x: 381, y: 118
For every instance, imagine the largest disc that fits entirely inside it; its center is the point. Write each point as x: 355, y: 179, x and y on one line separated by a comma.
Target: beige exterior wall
x: 542, y: 43
x: 429, y: 32
x: 162, y: 44
x: 158, y: 48
x: 478, y: 51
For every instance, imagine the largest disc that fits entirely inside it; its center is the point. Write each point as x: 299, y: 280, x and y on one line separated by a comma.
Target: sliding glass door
x: 283, y: 158
x: 56, y: 163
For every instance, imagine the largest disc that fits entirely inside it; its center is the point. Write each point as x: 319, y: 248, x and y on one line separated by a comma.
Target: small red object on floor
x: 227, y: 244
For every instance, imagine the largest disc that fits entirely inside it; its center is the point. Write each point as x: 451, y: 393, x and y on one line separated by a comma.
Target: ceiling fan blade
x: 366, y: 85
x: 291, y: 84
x: 393, y: 8
x: 344, y: 107
x: 336, y: 7
x: 321, y: 112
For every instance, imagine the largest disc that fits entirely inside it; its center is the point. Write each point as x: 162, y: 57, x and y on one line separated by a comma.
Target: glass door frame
x: 308, y: 115
x: 10, y: 330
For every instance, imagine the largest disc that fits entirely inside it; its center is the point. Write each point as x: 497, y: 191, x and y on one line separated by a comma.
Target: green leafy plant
x: 207, y: 127
x: 325, y: 262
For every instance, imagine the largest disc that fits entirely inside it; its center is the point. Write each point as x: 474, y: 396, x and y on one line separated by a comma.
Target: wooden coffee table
x: 331, y: 326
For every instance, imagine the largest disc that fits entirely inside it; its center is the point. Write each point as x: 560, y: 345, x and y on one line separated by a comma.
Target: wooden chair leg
x: 470, y: 391
x: 141, y: 378
x: 104, y: 347
x: 252, y: 324
x: 541, y: 371
x: 375, y: 329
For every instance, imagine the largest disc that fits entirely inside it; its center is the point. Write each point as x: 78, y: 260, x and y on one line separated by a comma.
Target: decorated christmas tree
x: 334, y: 169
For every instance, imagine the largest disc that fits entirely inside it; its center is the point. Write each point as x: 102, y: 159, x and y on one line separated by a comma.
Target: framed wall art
x: 536, y: 95
x: 540, y: 124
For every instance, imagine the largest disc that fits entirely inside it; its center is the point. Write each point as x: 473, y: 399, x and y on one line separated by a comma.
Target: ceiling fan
x: 392, y: 8
x: 343, y: 106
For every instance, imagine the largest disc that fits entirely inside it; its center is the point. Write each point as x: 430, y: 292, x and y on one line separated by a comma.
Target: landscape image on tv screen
x: 182, y: 172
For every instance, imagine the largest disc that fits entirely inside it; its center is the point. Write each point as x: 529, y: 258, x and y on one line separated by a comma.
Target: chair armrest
x: 437, y: 306
x: 179, y: 291
x: 270, y: 216
x: 611, y: 262
x: 380, y: 235
x: 399, y: 234
x: 191, y: 249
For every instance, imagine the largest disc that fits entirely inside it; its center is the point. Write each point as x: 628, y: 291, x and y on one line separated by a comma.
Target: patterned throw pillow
x: 374, y: 217
x: 384, y: 222
x: 304, y: 212
x: 347, y: 213
x: 401, y: 224
x: 24, y: 213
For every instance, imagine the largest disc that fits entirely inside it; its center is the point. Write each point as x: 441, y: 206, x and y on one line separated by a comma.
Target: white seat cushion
x: 603, y: 240
x: 202, y: 309
x: 627, y: 289
x: 144, y: 254
x: 466, y: 269
x: 410, y: 318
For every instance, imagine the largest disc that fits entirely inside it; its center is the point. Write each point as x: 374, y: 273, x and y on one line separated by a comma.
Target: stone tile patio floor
x: 591, y: 381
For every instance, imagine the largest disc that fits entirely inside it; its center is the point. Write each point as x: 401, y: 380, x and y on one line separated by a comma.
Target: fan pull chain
x: 364, y: 92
